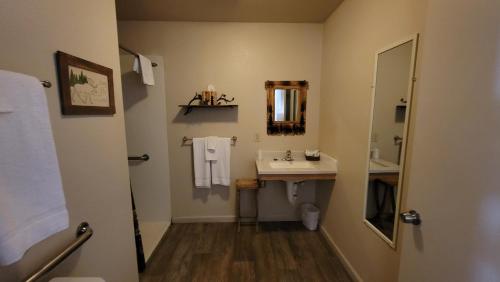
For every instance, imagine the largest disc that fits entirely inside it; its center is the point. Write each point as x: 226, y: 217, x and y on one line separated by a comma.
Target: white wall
x: 146, y: 129
x: 237, y: 58
x: 91, y: 149
x: 352, y: 35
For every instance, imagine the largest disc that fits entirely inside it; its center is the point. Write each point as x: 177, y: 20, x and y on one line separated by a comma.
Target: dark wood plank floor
x: 217, y: 252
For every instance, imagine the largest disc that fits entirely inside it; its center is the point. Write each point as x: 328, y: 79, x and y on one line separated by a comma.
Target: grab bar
x: 144, y: 158
x: 83, y: 233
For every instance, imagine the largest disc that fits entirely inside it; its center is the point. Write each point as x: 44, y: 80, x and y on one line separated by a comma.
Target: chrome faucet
x: 288, y: 156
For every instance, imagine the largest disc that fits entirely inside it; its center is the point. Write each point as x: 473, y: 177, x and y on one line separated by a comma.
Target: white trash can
x: 310, y: 216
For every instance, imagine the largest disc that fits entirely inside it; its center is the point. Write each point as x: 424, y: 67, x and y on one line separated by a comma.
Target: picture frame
x: 86, y: 88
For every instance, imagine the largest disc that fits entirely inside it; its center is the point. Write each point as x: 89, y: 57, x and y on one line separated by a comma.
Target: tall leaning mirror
x: 392, y: 93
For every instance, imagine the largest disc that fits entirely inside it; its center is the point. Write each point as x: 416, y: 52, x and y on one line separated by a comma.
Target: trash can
x: 310, y: 216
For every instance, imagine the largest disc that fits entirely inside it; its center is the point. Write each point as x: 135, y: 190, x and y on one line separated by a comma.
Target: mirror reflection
x: 286, y: 104
x: 393, y: 81
x: 286, y: 107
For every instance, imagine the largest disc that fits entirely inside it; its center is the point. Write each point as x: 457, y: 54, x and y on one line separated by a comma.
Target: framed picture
x: 86, y: 88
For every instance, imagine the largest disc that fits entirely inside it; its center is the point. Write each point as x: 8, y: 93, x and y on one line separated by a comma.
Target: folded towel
x: 143, y: 65
x: 201, y: 165
x: 221, y: 166
x: 312, y: 153
x: 210, y: 148
x: 32, y: 204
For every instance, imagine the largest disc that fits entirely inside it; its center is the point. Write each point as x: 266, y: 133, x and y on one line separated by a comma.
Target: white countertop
x: 326, y: 164
x: 382, y: 166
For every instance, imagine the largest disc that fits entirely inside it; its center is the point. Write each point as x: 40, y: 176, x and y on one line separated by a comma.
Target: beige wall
x: 352, y: 35
x: 393, y: 77
x: 237, y: 58
x: 91, y: 150
x: 456, y: 155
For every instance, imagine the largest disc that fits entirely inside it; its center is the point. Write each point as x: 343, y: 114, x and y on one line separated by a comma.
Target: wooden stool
x: 247, y: 184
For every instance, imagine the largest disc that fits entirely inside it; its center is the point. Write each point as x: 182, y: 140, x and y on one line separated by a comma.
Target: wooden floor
x: 217, y: 252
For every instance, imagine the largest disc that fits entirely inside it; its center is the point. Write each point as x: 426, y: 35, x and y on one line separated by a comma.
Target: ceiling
x: 289, y: 11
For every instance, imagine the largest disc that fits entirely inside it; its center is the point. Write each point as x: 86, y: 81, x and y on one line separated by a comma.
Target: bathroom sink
x: 381, y: 163
x: 297, y: 170
x: 291, y: 164
x: 294, y: 173
x: 382, y: 166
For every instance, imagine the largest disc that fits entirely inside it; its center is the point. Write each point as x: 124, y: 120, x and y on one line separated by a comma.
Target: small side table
x: 247, y: 184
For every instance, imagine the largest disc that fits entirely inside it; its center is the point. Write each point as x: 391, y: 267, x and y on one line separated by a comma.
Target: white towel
x: 210, y: 148
x: 143, y: 66
x: 221, y: 166
x: 32, y: 205
x: 201, y: 165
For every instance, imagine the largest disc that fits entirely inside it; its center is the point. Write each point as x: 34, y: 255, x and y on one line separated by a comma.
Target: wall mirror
x: 392, y: 92
x: 286, y: 107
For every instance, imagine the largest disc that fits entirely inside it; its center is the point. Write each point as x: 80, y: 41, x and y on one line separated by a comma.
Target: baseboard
x: 196, y: 219
x: 350, y: 269
x: 227, y: 218
x: 278, y: 217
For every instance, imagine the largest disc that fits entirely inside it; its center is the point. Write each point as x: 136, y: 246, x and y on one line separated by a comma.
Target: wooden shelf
x: 189, y: 108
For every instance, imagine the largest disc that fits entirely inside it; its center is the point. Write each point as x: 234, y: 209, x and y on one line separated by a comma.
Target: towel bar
x: 83, y: 233
x: 185, y: 139
x: 135, y: 54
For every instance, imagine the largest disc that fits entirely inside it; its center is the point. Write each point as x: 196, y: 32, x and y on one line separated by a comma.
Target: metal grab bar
x: 83, y: 233
x: 144, y: 158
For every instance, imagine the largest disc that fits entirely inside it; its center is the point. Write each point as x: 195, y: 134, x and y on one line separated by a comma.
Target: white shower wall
x: 146, y: 129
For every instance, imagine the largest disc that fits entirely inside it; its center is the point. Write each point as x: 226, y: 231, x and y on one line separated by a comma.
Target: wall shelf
x: 189, y: 108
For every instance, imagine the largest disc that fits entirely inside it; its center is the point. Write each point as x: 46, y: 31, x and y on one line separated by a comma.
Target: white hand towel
x: 201, y: 165
x: 210, y: 148
x: 146, y: 70
x: 221, y: 167
x: 32, y: 205
x: 136, y: 67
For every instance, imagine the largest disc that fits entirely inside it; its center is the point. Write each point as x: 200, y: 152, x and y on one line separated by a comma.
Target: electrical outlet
x: 257, y: 137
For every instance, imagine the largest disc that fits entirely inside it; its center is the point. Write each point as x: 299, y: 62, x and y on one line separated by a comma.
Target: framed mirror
x: 392, y: 93
x: 286, y: 107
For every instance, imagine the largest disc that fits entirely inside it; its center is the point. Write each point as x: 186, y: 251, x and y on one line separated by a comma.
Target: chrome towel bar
x: 185, y: 139
x: 83, y: 233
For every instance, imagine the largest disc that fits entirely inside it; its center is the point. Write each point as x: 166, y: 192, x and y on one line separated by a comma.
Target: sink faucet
x: 288, y: 156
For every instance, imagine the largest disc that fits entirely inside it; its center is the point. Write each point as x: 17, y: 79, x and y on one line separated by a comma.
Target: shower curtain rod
x: 134, y: 53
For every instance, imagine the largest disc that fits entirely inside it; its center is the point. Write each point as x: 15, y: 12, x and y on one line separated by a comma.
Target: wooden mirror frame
x: 286, y: 127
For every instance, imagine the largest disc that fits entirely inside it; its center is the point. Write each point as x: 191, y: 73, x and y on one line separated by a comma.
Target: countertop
x: 383, y: 166
x: 326, y: 164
